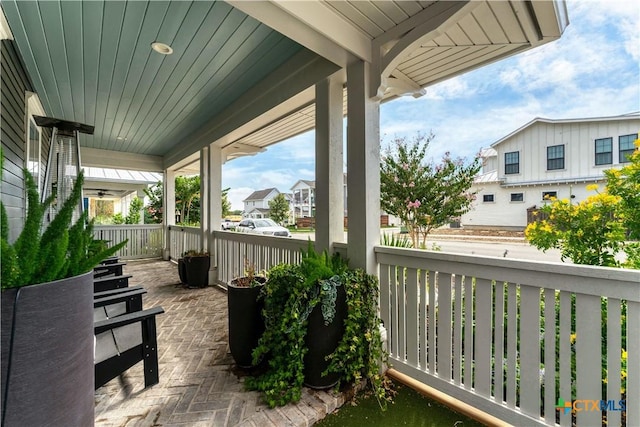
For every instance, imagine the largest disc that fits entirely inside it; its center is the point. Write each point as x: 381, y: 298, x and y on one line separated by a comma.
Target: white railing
x: 145, y: 241
x: 183, y: 239
x: 233, y: 250
x: 516, y: 338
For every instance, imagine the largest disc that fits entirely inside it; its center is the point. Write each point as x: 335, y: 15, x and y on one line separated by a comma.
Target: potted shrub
x: 196, y: 268
x: 246, y: 324
x: 47, y: 315
x: 305, y: 303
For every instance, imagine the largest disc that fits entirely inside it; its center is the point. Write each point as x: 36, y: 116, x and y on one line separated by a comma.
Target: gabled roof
x: 629, y: 116
x: 308, y: 183
x: 261, y: 194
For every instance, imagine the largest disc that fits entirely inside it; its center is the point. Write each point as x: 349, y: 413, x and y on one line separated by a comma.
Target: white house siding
x: 531, y: 141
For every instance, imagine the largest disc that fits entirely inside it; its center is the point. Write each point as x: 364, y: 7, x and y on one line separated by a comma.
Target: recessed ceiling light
x: 162, y: 48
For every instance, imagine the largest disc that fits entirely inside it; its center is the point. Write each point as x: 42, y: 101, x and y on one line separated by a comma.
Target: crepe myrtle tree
x: 424, y: 195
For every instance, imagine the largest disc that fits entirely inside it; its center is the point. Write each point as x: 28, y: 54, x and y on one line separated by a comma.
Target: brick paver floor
x: 199, y: 384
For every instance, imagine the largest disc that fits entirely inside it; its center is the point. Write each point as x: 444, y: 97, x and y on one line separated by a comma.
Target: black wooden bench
x: 102, y: 284
x: 112, y: 269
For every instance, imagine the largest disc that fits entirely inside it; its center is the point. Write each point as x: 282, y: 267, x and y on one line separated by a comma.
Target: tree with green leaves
x: 134, y: 211
x: 279, y: 208
x: 187, y: 194
x: 155, y: 194
x: 226, y: 204
x: 153, y: 212
x: 424, y: 195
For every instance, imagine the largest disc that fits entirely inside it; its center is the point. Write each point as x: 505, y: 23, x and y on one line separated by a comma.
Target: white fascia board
x: 5, y: 31
x: 331, y: 25
x: 296, y: 21
x: 95, y: 157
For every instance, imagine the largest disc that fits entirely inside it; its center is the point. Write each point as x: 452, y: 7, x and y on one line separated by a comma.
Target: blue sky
x: 592, y: 71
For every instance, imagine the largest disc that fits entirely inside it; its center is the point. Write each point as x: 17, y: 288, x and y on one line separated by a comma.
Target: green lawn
x: 409, y: 409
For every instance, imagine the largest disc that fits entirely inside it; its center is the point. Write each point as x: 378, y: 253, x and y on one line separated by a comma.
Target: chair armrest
x: 119, y: 297
x: 110, y: 292
x: 126, y: 319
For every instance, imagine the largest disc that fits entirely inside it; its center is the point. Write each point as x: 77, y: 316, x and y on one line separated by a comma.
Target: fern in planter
x: 63, y: 250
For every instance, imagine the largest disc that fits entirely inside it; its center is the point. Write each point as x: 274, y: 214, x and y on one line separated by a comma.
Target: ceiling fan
x: 100, y: 192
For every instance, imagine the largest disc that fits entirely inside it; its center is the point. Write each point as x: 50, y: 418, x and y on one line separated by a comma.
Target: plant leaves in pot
x: 47, y: 314
x: 246, y: 324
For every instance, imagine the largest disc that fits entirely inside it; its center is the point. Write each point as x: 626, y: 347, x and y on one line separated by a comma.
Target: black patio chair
x: 102, y: 284
x: 105, y: 270
x: 125, y: 335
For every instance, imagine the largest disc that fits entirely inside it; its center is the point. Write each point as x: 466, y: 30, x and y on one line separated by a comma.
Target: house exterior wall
x: 534, y: 179
x: 263, y: 203
x: 15, y: 84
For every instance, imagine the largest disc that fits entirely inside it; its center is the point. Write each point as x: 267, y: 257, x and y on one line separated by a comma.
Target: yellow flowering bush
x: 597, y: 229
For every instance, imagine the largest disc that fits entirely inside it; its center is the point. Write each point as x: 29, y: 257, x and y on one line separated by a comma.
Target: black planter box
x: 47, y: 354
x: 246, y: 324
x: 197, y: 271
x: 322, y: 340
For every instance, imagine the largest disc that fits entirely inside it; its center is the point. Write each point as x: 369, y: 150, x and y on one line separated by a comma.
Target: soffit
x: 91, y: 61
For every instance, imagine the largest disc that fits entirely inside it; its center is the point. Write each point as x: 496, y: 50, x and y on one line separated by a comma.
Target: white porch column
x: 168, y: 210
x: 363, y: 168
x: 213, y: 205
x: 204, y: 198
x: 329, y: 190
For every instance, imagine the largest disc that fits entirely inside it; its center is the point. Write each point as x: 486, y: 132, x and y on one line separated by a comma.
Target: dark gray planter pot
x: 182, y: 271
x: 246, y: 324
x: 197, y: 271
x: 322, y: 340
x: 47, y: 354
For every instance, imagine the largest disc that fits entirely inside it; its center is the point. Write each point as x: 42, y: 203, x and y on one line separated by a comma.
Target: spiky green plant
x: 62, y: 250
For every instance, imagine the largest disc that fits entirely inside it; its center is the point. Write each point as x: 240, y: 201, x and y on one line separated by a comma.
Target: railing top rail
x: 128, y: 226
x: 584, y: 279
x: 276, y: 242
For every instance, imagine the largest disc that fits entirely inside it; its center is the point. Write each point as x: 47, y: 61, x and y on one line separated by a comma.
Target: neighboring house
x: 257, y: 204
x: 304, y: 198
x: 547, y: 158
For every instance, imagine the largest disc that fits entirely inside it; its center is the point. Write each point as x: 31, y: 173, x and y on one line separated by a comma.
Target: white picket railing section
x: 145, y: 241
x: 498, y: 334
x: 234, y: 250
x: 183, y: 239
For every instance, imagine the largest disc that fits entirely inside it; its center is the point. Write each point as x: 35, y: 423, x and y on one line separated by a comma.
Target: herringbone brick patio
x: 199, y: 384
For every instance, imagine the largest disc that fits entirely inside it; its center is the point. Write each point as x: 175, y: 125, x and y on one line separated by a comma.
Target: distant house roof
x: 630, y: 116
x: 261, y: 194
x: 486, y: 178
x: 308, y: 183
x: 264, y: 211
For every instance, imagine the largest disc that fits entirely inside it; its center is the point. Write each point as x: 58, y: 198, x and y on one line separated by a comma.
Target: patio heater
x: 63, y: 163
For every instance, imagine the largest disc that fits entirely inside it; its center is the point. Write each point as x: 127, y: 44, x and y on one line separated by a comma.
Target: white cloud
x: 237, y: 195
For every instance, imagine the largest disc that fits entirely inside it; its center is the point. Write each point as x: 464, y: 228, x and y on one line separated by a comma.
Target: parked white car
x: 227, y: 224
x: 263, y: 226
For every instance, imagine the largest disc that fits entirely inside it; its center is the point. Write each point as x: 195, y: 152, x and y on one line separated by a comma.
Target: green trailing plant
x: 290, y: 294
x: 360, y: 351
x: 62, y: 250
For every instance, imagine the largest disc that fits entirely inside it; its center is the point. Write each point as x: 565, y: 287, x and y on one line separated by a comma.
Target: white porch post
x: 329, y: 190
x: 212, y: 209
x: 363, y: 168
x: 204, y: 198
x: 168, y: 210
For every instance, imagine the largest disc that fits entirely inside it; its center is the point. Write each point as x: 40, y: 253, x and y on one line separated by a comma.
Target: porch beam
x: 363, y: 168
x: 95, y: 157
x: 329, y: 158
